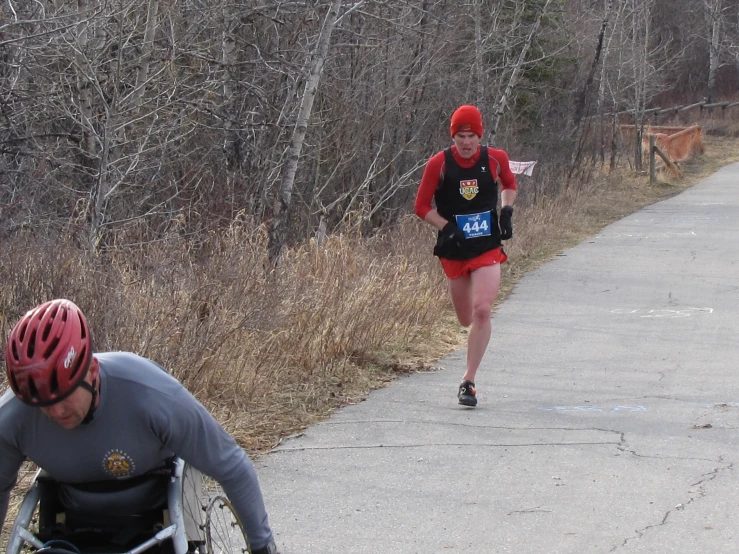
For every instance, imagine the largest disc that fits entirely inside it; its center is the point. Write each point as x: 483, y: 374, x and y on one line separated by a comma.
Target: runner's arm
x: 507, y: 197
x: 507, y: 177
x: 432, y: 176
x: 433, y: 218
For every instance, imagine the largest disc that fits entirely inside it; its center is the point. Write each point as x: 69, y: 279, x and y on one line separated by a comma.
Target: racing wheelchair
x: 195, y: 519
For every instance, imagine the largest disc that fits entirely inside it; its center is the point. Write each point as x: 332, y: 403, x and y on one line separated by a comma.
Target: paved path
x: 608, y: 415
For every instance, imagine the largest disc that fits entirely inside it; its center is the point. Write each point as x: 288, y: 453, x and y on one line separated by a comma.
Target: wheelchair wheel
x: 195, y: 500
x: 223, y: 531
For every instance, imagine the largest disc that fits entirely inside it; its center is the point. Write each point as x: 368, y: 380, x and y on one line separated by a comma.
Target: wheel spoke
x: 224, y: 533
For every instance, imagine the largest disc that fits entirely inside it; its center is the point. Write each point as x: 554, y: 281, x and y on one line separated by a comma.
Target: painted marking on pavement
x: 662, y: 312
x: 646, y: 235
x: 623, y: 408
x: 593, y: 409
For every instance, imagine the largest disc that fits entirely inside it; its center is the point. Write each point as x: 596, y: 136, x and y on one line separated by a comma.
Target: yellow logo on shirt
x: 468, y: 189
x: 118, y: 464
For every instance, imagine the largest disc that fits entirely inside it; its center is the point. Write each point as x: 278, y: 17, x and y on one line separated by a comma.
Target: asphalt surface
x: 607, y: 421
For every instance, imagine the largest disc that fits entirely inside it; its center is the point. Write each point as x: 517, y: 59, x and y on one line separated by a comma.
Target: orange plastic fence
x: 678, y: 146
x: 679, y: 143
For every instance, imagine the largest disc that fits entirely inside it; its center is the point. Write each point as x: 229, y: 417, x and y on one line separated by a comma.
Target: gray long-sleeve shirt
x: 144, y: 417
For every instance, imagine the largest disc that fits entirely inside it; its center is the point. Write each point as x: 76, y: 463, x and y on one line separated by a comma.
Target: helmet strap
x: 94, y: 392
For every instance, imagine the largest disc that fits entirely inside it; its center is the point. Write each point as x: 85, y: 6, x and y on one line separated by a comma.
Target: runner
x: 463, y: 180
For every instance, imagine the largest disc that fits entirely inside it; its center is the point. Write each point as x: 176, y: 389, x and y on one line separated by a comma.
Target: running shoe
x: 467, y: 394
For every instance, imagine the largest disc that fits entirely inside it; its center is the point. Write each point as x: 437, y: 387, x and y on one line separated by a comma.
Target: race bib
x: 474, y: 225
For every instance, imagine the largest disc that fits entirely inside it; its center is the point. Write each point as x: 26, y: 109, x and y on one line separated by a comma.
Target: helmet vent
x: 32, y: 390
x: 14, y: 350
x: 31, y: 344
x: 47, y: 330
x: 83, y: 328
x: 23, y: 330
x: 50, y: 349
x: 54, y: 383
x: 13, y: 383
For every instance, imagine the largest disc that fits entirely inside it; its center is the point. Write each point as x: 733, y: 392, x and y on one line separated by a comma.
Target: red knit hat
x: 467, y: 119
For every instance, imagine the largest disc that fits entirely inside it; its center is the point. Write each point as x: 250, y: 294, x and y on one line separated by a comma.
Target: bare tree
x: 282, y: 204
x: 713, y: 12
x: 515, y: 70
x: 580, y: 107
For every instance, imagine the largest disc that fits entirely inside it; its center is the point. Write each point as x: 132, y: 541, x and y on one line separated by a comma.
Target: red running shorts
x: 454, y: 269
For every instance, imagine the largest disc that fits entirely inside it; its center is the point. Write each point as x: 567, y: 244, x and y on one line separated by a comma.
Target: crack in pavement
x: 623, y: 448
x: 620, y: 441
x: 696, y: 495
x: 467, y: 425
x: 428, y: 444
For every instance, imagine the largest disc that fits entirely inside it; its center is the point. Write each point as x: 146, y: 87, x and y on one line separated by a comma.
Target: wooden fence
x: 675, y: 110
x: 674, y: 143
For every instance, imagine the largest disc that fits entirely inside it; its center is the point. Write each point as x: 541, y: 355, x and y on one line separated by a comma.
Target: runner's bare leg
x: 473, y: 298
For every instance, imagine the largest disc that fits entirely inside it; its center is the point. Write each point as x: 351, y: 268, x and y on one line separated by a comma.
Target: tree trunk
x: 232, y: 147
x: 277, y: 225
x: 580, y: 108
x: 513, y: 80
x: 713, y: 9
x: 142, y: 75
x: 478, y: 72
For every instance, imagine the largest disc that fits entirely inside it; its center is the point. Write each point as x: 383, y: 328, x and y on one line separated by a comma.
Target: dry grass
x: 268, y: 351
x: 271, y: 352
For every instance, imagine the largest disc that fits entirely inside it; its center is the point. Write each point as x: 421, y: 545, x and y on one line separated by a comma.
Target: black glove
x: 451, y: 234
x: 504, y: 222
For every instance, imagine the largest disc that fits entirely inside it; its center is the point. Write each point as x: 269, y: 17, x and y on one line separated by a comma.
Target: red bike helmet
x: 48, y: 353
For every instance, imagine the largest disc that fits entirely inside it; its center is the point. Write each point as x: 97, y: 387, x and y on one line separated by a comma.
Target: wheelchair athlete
x: 88, y: 417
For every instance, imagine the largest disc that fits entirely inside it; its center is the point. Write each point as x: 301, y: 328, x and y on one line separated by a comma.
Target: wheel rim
x: 223, y: 531
x: 195, y: 506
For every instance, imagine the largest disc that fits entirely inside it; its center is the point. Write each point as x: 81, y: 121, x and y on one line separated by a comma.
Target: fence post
x: 614, y: 144
x: 652, y: 161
